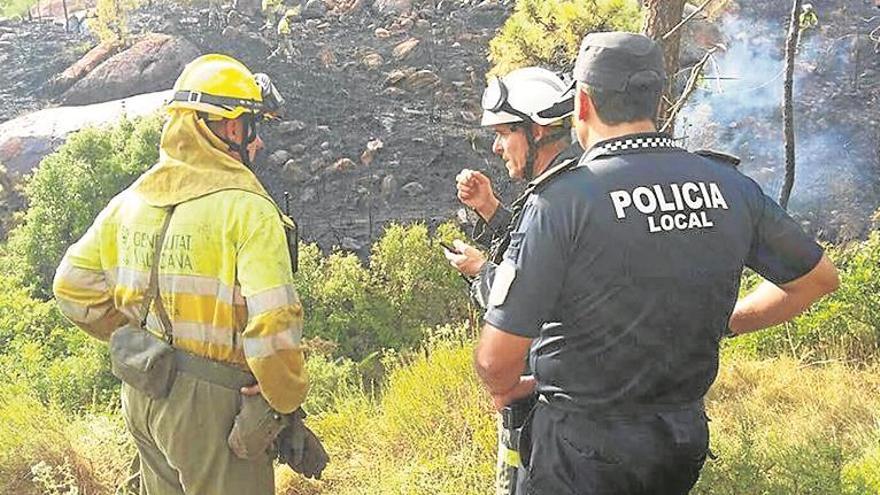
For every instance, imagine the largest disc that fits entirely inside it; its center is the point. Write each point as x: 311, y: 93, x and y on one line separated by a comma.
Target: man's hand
x: 252, y: 390
x: 469, y: 260
x: 524, y: 388
x: 475, y: 191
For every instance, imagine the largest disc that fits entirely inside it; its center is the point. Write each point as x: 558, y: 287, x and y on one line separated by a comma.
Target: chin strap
x: 249, y: 135
x: 534, y: 146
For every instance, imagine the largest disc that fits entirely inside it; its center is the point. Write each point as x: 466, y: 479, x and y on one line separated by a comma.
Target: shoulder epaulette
x: 727, y: 159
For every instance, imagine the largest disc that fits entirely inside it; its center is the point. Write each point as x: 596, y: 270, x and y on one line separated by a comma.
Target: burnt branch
x: 794, y: 33
x: 690, y: 87
x: 686, y: 19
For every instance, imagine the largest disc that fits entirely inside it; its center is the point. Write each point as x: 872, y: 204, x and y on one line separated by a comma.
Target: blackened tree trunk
x: 661, y: 16
x: 66, y: 18
x: 794, y: 34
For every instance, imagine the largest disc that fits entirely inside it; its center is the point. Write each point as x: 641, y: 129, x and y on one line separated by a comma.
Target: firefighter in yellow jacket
x: 224, y: 285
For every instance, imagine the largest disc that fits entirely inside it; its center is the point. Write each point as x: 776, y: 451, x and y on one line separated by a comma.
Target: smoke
x: 739, y: 110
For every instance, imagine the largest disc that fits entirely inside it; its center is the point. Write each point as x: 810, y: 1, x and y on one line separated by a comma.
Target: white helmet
x: 529, y: 93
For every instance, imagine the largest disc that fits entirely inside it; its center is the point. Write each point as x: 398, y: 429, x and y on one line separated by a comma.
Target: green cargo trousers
x: 181, y: 440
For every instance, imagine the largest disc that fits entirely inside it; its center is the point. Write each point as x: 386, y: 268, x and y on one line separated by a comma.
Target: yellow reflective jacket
x: 224, y: 273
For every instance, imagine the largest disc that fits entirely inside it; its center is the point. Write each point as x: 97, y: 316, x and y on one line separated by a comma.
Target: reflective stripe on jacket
x: 224, y: 277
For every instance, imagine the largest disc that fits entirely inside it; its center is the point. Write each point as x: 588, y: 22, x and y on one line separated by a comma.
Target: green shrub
x: 111, y: 22
x: 549, y: 33
x: 68, y: 190
x: 59, y: 362
x: 330, y: 380
x: 12, y: 8
x: 409, y: 270
x: 407, y: 288
x: 843, y: 326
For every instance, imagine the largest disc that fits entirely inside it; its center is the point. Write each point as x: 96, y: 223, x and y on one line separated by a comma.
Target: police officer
x: 638, y: 250
x: 529, y: 116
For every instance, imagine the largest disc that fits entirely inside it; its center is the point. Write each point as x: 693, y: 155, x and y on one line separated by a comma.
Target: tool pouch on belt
x: 255, y: 428
x: 137, y: 357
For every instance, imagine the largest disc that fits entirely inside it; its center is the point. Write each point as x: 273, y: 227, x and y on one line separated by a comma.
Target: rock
x: 402, y: 50
x: 298, y: 149
x: 230, y: 32
x: 291, y: 127
x: 308, y: 195
x: 250, y: 8
x: 295, y: 172
x: 327, y: 154
x: 25, y: 140
x: 489, y: 5
x: 351, y: 244
x: 97, y: 55
x: 369, y: 154
x: 279, y: 158
x: 372, y: 60
x: 151, y: 64
x: 325, y: 145
x: 189, y: 21
x: 393, y: 92
x: 327, y: 57
x: 413, y: 189
x: 420, y: 80
x: 397, y: 75
x: 382, y: 33
x: 314, y: 9
x: 469, y: 116
x: 388, y: 188
x: 394, y: 7
x: 344, y: 165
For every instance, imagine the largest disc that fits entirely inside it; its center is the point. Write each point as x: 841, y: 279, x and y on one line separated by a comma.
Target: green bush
x: 111, y: 21
x: 68, y: 190
x: 329, y: 381
x: 60, y: 363
x: 407, y: 288
x: 11, y: 8
x: 843, y: 326
x: 549, y: 33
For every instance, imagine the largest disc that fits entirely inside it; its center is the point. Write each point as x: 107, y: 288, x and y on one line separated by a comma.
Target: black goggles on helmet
x: 495, y: 99
x: 269, y: 108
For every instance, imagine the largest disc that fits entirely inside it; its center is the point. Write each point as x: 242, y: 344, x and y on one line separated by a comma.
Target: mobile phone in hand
x: 450, y: 248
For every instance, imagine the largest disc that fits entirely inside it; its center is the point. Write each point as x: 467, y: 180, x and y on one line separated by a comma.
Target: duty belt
x: 212, y: 371
x: 620, y: 411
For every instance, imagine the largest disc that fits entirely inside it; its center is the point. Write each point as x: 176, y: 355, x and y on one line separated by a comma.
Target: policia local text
x: 686, y: 204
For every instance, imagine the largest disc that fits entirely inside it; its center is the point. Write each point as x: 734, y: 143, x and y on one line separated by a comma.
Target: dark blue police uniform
x: 637, y: 253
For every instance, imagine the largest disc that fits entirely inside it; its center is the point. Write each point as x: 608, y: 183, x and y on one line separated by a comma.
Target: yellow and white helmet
x: 223, y: 88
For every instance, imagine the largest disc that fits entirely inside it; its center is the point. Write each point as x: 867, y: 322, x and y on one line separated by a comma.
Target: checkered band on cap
x: 647, y: 142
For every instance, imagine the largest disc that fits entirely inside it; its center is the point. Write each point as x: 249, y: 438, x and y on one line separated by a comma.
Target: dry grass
x: 778, y: 427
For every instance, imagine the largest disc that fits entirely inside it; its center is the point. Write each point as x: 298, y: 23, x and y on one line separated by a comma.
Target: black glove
x: 300, y: 449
